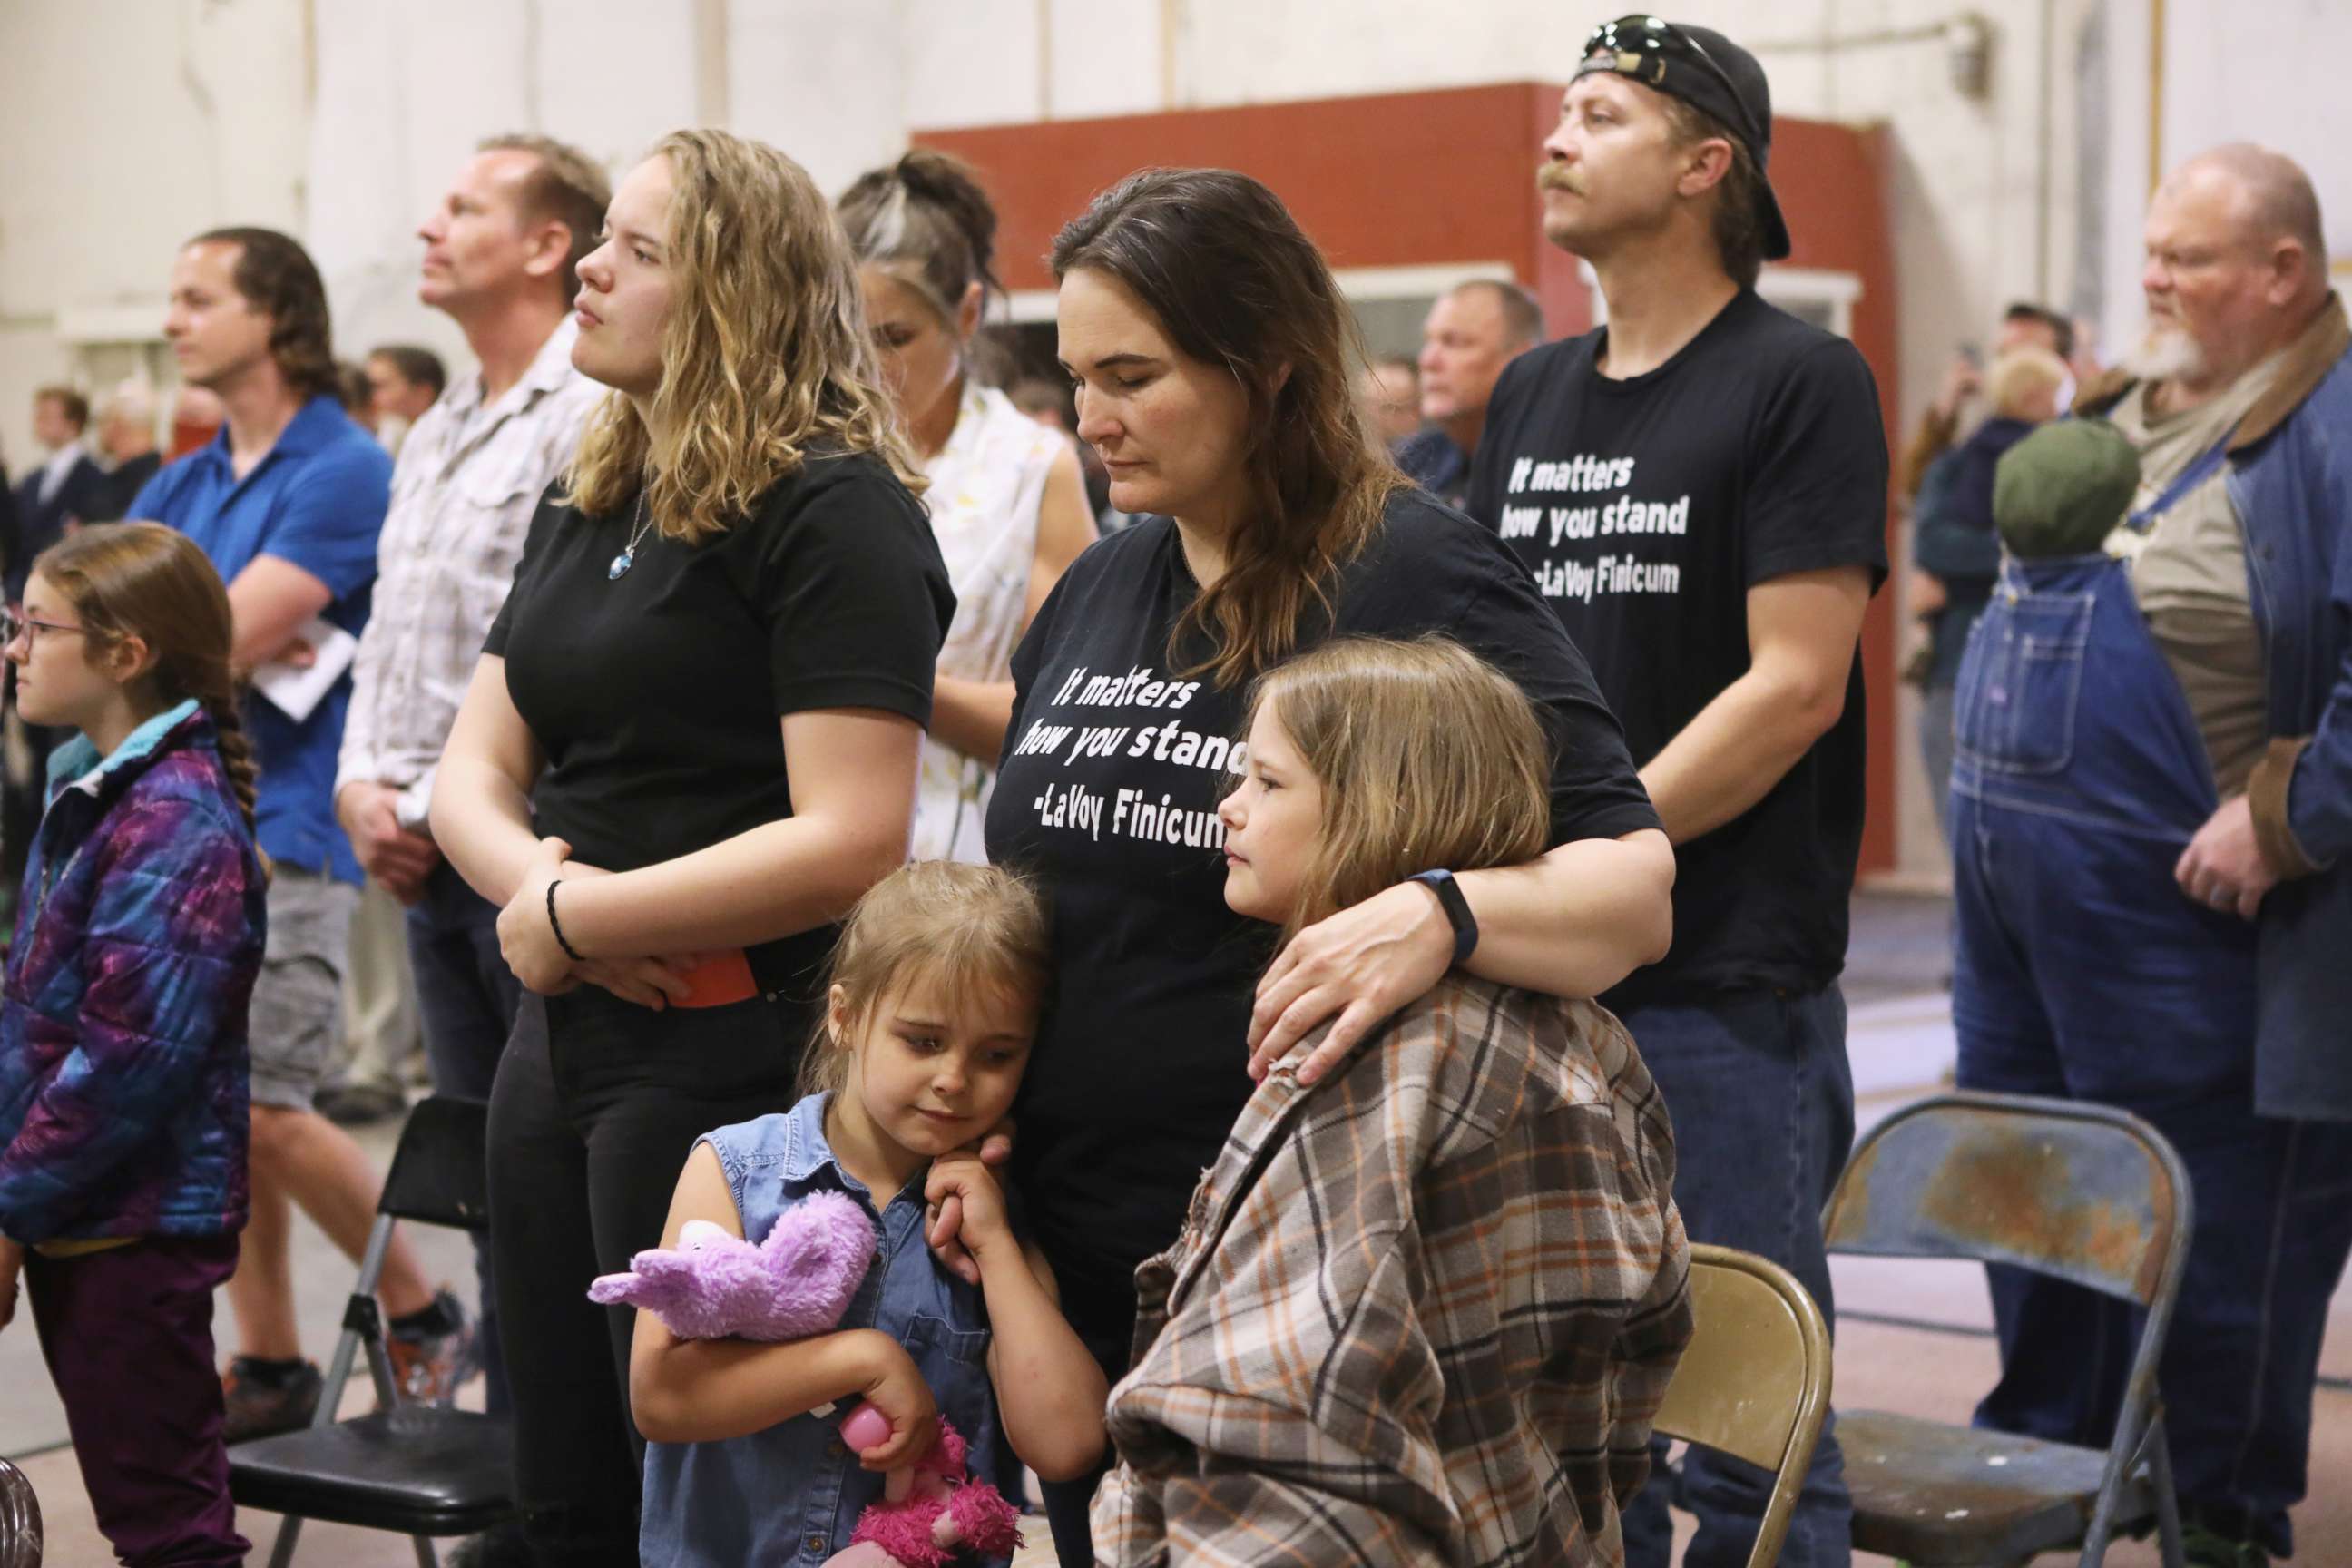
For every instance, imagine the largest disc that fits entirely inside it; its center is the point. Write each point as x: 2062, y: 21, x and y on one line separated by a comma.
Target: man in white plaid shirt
x: 500, y: 255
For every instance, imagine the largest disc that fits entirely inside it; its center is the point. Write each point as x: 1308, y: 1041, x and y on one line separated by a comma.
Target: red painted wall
x: 1406, y: 179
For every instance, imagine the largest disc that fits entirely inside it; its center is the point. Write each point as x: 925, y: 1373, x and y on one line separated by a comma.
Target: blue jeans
x: 1762, y: 1099
x: 468, y: 998
x: 2083, y: 972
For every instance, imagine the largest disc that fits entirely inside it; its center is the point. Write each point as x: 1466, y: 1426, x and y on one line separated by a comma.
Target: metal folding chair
x: 422, y: 1470
x: 1754, y: 1382
x: 20, y: 1520
x: 2081, y: 1193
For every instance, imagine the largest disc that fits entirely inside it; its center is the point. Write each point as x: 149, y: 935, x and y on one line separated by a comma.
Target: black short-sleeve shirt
x: 1646, y: 509
x: 655, y: 695
x: 1108, y: 791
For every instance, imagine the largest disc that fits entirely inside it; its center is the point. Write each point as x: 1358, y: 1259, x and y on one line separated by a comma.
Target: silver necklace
x: 628, y: 556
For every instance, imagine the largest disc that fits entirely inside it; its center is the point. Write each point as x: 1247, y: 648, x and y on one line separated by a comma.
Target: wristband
x: 1456, y: 907
x: 556, y: 926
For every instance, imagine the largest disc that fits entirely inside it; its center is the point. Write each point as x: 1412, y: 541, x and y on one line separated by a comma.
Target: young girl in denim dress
x: 927, y: 1030
x: 123, y: 1027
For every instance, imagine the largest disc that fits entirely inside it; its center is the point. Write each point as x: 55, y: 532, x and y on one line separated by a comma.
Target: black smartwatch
x: 1456, y: 907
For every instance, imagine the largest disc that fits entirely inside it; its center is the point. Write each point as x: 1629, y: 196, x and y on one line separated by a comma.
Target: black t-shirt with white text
x: 656, y: 697
x: 1646, y: 509
x: 1111, y: 776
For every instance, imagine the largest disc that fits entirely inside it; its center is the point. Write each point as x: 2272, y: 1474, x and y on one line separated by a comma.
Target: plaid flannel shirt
x: 1421, y: 1313
x: 469, y: 479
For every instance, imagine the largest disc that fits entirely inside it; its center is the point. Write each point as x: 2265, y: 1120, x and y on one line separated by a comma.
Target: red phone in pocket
x: 720, y: 981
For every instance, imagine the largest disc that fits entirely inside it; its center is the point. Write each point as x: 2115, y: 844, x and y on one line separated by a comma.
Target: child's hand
x: 12, y: 1262
x: 960, y: 1178
x: 895, y: 1387
x: 945, y: 1224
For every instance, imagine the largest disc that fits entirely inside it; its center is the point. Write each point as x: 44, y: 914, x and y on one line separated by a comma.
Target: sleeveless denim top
x: 792, y: 1494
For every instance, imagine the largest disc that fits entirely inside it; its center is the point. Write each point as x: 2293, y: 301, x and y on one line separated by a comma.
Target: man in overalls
x: 2152, y: 791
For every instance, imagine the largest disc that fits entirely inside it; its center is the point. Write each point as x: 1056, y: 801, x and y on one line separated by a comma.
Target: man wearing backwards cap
x: 1700, y: 489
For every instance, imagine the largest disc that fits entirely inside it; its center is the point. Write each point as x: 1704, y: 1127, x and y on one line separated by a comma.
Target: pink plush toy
x: 942, y: 1513
x: 796, y: 1282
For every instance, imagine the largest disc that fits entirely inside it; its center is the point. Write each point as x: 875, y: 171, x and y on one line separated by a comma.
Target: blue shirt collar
x: 807, y: 1154
x: 314, y: 424
x: 806, y: 1151
x: 78, y: 759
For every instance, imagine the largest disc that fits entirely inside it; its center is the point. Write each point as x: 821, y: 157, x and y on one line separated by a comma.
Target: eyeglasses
x: 1630, y: 39
x: 14, y: 624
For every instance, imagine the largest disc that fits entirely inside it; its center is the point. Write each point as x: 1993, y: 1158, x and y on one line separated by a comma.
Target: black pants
x: 596, y: 1106
x: 1107, y: 1331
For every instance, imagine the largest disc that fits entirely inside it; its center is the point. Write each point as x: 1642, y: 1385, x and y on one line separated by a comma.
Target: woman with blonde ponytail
x: 123, y: 1070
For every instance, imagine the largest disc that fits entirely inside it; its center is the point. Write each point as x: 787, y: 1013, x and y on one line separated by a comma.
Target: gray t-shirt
x: 2188, y: 570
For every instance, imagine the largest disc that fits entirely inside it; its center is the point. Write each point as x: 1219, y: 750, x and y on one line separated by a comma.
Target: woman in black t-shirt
x: 1214, y: 365
x: 693, y: 731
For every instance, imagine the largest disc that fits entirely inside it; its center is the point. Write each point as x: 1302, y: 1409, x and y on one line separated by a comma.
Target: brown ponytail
x: 143, y: 580
x: 927, y: 220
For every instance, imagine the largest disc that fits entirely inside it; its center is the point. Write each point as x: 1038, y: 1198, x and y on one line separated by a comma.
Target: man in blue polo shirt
x: 286, y: 501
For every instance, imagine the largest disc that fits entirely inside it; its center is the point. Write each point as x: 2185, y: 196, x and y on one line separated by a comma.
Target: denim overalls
x: 792, y: 1494
x: 2083, y: 971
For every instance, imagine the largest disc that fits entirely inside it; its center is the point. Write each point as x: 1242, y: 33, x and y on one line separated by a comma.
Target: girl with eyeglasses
x: 123, y: 1026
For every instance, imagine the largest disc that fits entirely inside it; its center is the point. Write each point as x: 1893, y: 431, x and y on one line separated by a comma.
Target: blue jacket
x: 2290, y: 482
x: 123, y: 1084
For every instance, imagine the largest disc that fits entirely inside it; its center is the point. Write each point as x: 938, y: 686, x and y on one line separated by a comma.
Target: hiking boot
x: 263, y: 1397
x: 2204, y: 1548
x: 432, y: 1351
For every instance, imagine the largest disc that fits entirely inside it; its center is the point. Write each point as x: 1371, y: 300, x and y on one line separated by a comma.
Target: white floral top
x: 986, y: 484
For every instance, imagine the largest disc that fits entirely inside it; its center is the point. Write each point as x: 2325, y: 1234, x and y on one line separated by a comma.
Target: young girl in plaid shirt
x: 1423, y: 1310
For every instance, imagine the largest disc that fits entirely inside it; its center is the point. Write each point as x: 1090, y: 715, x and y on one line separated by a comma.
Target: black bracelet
x: 557, y: 927
x: 1456, y: 909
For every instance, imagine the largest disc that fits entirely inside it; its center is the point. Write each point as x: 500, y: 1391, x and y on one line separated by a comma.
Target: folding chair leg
x: 290, y: 1531
x: 2168, y: 1506
x: 425, y: 1555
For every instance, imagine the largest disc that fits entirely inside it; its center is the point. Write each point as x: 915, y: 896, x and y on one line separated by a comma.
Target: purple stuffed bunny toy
x: 796, y: 1282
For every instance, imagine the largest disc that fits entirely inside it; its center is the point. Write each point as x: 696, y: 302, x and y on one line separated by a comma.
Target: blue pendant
x: 621, y: 565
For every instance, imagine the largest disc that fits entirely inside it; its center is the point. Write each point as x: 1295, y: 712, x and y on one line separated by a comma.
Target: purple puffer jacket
x: 123, y: 1087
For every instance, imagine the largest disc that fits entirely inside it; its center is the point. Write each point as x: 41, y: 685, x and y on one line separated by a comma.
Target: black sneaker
x: 265, y: 1397
x: 500, y: 1546
x: 432, y: 1351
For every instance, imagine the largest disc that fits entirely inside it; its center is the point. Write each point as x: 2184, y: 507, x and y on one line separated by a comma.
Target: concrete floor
x: 1901, y: 1047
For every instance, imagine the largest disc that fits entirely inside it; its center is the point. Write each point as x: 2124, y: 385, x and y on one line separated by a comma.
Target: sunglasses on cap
x: 1641, y: 47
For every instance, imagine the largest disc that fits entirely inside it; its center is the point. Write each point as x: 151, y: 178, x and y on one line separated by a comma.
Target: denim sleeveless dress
x: 792, y: 1494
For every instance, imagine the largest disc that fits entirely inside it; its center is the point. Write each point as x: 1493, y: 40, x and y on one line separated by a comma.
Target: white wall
x: 130, y: 125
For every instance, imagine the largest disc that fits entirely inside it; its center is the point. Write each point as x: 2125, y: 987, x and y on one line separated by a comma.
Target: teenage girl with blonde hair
x: 1424, y: 1309
x: 693, y: 731
x: 122, y: 1028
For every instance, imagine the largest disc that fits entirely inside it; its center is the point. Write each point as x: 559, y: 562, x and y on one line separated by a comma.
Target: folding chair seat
x: 421, y: 1471
x: 2081, y: 1193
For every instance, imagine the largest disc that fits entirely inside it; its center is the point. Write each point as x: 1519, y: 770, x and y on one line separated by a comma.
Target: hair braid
x: 235, y: 752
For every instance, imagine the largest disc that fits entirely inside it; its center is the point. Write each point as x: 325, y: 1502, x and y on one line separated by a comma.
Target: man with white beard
x: 2152, y: 798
